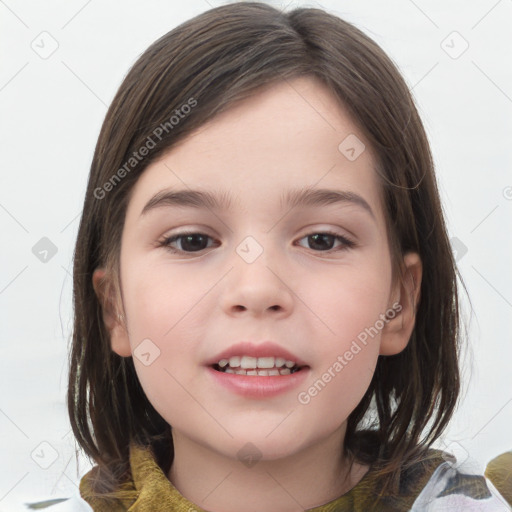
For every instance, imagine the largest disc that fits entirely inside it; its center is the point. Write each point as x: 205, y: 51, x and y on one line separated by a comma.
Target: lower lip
x: 259, y: 387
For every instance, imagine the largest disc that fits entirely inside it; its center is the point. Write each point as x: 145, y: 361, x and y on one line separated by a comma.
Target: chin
x: 274, y: 447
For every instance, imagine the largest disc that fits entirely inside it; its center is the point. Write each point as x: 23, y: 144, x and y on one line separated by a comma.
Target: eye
x: 324, y: 240
x: 195, y: 242
x: 190, y: 242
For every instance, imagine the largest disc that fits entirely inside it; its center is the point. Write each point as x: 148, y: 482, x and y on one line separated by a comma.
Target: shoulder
x: 454, y: 486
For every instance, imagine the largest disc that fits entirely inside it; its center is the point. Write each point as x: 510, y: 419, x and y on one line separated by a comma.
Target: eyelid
x: 174, y: 236
x: 347, y: 241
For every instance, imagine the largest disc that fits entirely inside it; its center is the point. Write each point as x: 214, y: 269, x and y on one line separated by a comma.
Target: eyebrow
x: 295, y: 198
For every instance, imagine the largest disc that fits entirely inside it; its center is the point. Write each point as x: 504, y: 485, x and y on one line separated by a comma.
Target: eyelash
x: 347, y: 243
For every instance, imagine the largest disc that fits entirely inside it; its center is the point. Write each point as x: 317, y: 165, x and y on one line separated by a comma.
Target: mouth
x: 257, y: 366
x: 259, y: 378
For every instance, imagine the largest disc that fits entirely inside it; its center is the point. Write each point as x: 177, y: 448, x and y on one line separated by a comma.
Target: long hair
x: 208, y: 63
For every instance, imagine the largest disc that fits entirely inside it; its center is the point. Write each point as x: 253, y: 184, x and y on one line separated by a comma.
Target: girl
x: 266, y: 311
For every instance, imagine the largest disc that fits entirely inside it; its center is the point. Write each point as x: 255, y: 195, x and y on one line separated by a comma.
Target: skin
x: 313, y: 302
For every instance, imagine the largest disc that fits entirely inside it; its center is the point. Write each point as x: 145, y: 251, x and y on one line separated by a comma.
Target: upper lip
x: 263, y: 349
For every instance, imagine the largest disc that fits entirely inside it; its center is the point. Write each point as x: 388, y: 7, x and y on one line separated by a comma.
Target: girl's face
x: 312, y: 277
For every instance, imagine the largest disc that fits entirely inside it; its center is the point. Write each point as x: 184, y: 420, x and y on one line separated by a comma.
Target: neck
x: 305, y: 479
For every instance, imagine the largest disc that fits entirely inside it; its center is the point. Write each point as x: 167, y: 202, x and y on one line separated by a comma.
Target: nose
x: 259, y: 288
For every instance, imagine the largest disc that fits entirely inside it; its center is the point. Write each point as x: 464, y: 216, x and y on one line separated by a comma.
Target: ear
x: 401, y: 315
x: 119, y: 340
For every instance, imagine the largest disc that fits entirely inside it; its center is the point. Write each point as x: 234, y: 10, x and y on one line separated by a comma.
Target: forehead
x: 290, y: 135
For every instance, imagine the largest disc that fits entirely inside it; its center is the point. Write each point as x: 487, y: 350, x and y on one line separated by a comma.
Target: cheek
x: 165, y: 328
x: 160, y: 299
x: 351, y: 308
x: 333, y: 393
x: 349, y: 302
x: 347, y: 352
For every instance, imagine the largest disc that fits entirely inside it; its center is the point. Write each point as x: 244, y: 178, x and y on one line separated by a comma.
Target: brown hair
x: 215, y: 59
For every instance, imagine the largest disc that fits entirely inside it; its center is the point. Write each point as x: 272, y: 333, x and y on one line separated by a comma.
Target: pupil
x: 320, y: 236
x: 191, y: 246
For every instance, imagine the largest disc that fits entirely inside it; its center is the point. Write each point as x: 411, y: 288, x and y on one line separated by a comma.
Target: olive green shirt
x: 432, y: 484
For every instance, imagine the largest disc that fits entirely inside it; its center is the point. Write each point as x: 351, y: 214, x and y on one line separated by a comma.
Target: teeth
x: 265, y: 362
x: 257, y: 366
x: 252, y: 363
x: 234, y: 362
x: 260, y: 373
x: 248, y: 362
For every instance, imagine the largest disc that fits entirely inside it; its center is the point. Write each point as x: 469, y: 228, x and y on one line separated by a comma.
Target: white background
x: 52, y: 110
